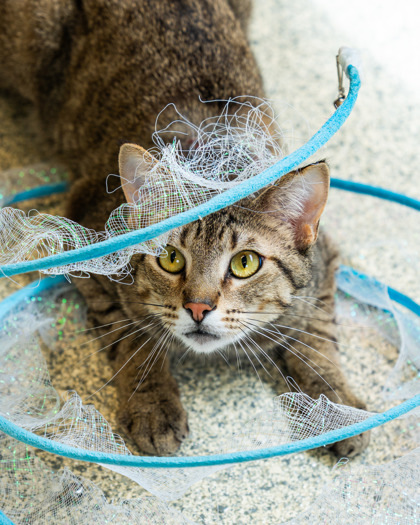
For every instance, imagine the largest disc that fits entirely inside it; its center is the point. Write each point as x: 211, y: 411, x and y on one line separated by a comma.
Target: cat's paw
x: 158, y: 424
x: 350, y: 447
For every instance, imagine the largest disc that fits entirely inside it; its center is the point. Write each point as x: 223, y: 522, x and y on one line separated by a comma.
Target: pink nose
x: 197, y: 310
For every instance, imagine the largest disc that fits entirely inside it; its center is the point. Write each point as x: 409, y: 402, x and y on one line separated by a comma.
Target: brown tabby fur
x: 98, y: 72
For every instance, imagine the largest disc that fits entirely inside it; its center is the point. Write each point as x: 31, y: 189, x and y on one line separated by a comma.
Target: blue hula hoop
x: 333, y: 436
x: 226, y: 199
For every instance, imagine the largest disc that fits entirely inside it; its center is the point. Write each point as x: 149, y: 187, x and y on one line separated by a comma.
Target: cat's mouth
x: 201, y: 336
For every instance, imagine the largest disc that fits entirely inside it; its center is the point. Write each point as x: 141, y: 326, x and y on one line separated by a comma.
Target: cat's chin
x: 203, y: 342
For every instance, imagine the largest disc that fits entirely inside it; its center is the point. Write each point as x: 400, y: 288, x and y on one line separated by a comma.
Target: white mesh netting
x: 223, y: 151
x: 396, y: 327
x: 376, y: 495
x: 31, y: 493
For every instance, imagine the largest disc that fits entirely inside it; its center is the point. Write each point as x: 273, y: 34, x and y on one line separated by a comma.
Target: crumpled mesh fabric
x: 378, y: 495
x: 34, y: 494
x: 396, y: 326
x: 294, y: 416
x: 31, y: 493
x: 226, y: 150
x: 28, y: 399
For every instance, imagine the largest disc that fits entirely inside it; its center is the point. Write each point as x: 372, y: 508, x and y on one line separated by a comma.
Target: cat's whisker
x: 146, y: 371
x: 249, y: 359
x: 238, y: 359
x: 102, y: 326
x: 304, y: 332
x: 157, y: 349
x: 269, y: 359
x: 219, y: 351
x: 127, y: 302
x: 313, y: 349
x: 150, y: 325
x: 316, y: 299
x: 121, y: 339
x: 108, y: 333
x: 282, y: 314
x: 158, y: 323
x: 118, y: 328
x: 167, y: 350
x: 187, y: 351
x: 284, y: 344
x: 153, y: 351
x: 302, y: 299
x: 116, y: 373
x: 284, y: 337
x: 248, y: 338
x: 305, y: 359
x: 296, y: 353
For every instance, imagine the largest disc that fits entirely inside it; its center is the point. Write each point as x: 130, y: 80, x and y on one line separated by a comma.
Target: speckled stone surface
x: 295, y: 44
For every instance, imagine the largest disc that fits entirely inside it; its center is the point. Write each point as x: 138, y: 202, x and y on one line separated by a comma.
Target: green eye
x: 171, y: 260
x: 244, y: 264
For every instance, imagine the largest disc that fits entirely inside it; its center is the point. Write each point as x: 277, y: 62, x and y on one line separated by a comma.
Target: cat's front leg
x: 153, y: 415
x: 150, y: 406
x: 312, y: 361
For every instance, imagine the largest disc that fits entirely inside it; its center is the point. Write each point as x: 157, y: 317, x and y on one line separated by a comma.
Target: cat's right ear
x: 134, y: 163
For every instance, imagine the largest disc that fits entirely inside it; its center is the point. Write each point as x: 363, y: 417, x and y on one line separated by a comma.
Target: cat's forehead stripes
x: 228, y: 231
x: 217, y: 228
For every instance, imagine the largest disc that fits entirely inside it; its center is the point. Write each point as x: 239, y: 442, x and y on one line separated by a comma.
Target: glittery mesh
x: 223, y: 151
x: 378, y: 495
x: 293, y: 417
x: 374, y: 305
x: 31, y: 493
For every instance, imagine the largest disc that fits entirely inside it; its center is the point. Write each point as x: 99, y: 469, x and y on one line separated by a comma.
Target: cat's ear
x: 299, y: 198
x: 134, y: 163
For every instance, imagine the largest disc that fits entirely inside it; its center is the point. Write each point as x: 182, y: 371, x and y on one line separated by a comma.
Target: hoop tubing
x: 34, y: 193
x: 53, y: 447
x: 227, y: 198
x: 333, y: 436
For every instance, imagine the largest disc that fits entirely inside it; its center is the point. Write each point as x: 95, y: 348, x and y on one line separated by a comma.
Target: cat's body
x: 99, y: 71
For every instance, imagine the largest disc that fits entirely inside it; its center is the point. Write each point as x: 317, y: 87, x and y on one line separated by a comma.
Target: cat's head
x: 239, y: 263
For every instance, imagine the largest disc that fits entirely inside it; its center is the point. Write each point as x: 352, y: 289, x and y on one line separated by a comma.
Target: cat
x: 98, y: 72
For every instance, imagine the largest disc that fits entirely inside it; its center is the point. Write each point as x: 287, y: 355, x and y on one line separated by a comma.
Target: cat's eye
x: 245, y: 263
x: 171, y: 260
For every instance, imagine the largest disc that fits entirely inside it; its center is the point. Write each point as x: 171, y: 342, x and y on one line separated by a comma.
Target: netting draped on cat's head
x: 225, y: 149
x: 189, y: 165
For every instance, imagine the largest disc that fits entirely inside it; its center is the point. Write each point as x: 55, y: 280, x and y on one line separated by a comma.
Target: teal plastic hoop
x: 229, y: 197
x: 333, y: 436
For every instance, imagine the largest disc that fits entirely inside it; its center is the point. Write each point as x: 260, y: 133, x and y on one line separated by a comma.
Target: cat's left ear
x: 299, y: 198
x: 134, y: 163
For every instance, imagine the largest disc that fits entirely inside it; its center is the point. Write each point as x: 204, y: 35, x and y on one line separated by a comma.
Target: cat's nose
x: 198, y: 310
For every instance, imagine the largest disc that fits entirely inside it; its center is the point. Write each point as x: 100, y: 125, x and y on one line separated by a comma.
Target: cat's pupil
x: 244, y: 261
x: 173, y: 255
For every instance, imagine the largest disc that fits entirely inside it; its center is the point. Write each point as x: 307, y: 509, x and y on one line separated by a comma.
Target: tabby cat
x: 98, y: 73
